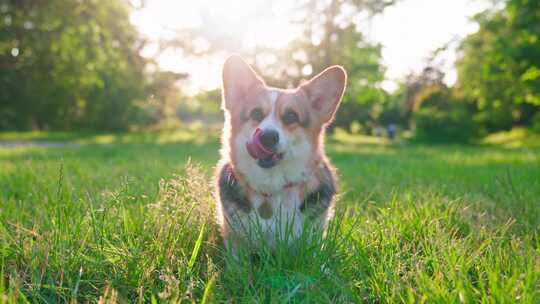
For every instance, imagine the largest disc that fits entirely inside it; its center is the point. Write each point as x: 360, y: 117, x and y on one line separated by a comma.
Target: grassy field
x: 129, y: 218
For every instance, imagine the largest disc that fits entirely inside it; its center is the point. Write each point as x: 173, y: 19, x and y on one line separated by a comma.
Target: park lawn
x: 129, y: 218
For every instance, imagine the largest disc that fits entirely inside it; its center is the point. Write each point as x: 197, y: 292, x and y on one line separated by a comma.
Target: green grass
x: 515, y: 138
x: 129, y: 218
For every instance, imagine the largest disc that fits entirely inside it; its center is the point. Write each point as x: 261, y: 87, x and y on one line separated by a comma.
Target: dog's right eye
x: 290, y: 117
x: 257, y: 114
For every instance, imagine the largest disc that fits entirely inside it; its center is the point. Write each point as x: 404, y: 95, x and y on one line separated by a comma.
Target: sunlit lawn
x: 122, y: 217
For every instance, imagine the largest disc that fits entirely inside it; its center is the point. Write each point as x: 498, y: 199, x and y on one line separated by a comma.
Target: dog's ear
x: 325, y: 91
x: 238, y: 79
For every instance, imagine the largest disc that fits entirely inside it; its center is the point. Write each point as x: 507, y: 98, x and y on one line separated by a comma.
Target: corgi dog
x: 274, y: 176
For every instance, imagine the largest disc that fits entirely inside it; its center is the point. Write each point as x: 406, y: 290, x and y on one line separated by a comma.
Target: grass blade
x: 208, y: 289
x: 196, y: 249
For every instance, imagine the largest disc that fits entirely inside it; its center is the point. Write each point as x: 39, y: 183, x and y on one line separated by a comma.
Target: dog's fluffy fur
x: 299, y: 187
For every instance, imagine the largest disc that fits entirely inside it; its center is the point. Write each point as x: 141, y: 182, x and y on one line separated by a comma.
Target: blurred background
x: 430, y: 70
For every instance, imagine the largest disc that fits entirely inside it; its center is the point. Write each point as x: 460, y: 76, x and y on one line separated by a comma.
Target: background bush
x: 440, y: 117
x: 434, y: 126
x: 536, y: 123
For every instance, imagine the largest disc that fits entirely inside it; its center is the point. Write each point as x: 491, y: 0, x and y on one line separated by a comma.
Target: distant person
x: 392, y: 129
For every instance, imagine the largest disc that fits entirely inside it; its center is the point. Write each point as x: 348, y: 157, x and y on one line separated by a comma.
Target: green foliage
x: 208, y: 101
x: 536, y: 122
x: 447, y: 224
x: 432, y: 125
x: 439, y: 117
x: 164, y: 99
x: 68, y: 65
x: 500, y: 64
x: 363, y: 97
x: 436, y: 96
x: 518, y: 137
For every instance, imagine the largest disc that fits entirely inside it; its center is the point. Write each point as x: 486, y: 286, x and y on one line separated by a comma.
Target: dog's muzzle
x: 261, y: 146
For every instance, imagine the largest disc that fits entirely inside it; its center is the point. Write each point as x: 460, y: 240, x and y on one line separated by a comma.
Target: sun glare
x: 254, y: 23
x: 249, y: 24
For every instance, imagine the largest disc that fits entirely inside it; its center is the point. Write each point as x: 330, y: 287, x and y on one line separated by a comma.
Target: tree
x: 68, y: 64
x: 499, y: 65
x: 164, y: 97
x: 398, y: 107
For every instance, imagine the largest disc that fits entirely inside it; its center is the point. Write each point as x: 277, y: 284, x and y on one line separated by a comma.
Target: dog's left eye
x: 257, y: 114
x: 290, y: 117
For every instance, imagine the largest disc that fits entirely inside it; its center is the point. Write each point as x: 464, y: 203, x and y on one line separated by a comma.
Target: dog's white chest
x: 277, y: 215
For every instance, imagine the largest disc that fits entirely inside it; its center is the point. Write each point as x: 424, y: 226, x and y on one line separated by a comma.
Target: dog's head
x: 270, y: 126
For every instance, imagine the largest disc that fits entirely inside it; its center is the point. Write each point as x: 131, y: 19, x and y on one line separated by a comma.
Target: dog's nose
x: 269, y: 138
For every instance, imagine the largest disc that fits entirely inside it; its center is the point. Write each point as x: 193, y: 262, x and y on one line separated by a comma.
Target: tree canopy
x: 499, y: 68
x: 68, y: 64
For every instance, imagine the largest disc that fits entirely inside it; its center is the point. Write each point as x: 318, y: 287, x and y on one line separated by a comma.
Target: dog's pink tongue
x: 255, y: 147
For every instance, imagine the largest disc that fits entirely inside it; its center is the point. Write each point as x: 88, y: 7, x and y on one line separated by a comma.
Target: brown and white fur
x: 297, y: 186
